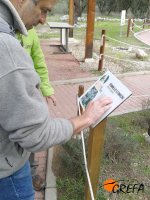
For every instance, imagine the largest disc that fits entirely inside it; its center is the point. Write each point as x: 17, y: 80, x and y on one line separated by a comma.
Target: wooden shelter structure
x: 90, y: 25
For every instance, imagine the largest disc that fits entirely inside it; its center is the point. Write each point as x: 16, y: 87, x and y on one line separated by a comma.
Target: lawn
x: 119, y: 54
x: 112, y: 30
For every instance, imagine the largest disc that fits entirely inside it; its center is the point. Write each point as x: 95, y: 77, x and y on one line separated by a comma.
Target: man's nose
x: 42, y: 20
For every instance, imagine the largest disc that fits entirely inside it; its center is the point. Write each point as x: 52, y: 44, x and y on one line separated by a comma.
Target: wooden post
x: 95, y: 151
x: 80, y: 92
x: 71, y: 17
x: 144, y: 23
x: 132, y: 24
x: 129, y: 25
x: 102, y: 50
x: 90, y: 28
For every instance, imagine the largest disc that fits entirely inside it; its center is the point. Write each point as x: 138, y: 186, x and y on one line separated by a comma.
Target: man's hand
x: 52, y: 98
x: 95, y: 109
x: 92, y: 114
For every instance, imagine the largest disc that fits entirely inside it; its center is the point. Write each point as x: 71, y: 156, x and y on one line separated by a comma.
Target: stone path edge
x: 89, y: 79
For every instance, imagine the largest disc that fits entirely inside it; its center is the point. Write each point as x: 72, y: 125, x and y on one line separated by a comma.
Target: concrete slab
x: 51, y: 194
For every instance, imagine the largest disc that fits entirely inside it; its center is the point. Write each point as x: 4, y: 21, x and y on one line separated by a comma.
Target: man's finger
x: 104, y: 101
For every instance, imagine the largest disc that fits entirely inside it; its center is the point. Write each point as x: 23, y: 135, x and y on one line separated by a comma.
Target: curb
x: 89, y: 79
x: 50, y: 189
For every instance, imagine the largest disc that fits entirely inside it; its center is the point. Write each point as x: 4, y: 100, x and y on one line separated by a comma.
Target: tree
x: 83, y: 4
x: 77, y: 10
x: 148, y: 11
x: 101, y: 5
x: 140, y: 7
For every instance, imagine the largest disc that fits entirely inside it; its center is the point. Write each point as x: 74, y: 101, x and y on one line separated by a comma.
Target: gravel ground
x: 129, y: 63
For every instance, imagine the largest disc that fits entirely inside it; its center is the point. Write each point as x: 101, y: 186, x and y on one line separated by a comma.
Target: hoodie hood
x: 17, y: 22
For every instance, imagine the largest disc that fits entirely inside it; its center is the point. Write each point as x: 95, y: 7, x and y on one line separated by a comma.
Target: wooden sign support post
x: 102, y: 50
x: 90, y: 28
x: 96, y: 145
x: 80, y: 92
x: 71, y: 17
x: 129, y: 25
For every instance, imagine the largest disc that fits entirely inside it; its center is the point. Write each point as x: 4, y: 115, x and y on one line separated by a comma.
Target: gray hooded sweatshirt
x: 25, y: 125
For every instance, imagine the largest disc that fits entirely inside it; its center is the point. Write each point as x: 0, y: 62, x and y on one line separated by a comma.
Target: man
x: 25, y: 125
x: 31, y: 44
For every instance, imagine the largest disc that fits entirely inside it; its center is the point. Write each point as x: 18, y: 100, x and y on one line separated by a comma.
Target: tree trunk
x: 148, y: 11
x: 77, y: 10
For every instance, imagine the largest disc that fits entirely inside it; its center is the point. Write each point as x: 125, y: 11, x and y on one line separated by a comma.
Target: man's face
x: 34, y: 14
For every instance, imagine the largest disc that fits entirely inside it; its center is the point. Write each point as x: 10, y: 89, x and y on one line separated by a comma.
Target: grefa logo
x: 122, y: 186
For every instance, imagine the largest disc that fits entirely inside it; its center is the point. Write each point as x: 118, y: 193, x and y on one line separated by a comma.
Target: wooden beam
x: 90, y: 28
x: 95, y: 152
x: 71, y: 17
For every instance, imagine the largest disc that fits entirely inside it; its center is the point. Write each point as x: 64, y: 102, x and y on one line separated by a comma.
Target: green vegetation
x: 69, y: 186
x: 125, y: 157
x: 48, y: 35
x: 112, y: 30
x: 113, y: 48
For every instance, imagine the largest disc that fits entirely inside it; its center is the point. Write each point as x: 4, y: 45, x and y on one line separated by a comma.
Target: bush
x: 72, y: 158
x: 118, y: 146
x: 60, y: 8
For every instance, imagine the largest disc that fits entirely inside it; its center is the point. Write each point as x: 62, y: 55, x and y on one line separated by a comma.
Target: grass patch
x: 69, y: 186
x: 112, y: 30
x: 126, y: 156
x: 48, y: 35
x: 94, y: 71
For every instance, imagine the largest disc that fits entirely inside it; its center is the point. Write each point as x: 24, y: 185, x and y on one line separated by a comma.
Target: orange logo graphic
x: 110, y: 185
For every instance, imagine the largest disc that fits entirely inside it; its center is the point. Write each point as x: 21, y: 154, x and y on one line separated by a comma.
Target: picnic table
x: 64, y: 30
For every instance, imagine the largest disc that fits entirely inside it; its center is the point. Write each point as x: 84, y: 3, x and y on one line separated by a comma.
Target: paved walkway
x: 136, y: 82
x: 144, y: 36
x: 64, y: 67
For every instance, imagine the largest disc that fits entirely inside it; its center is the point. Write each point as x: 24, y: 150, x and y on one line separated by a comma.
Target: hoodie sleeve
x: 23, y: 113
